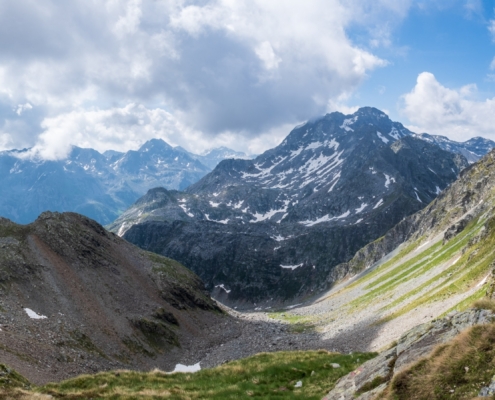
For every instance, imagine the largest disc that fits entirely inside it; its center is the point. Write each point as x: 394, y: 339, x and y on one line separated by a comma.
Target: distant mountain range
x: 473, y: 149
x: 274, y: 227
x: 100, y: 186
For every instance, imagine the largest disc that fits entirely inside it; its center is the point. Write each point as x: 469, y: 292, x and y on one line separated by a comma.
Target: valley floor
x: 411, y: 286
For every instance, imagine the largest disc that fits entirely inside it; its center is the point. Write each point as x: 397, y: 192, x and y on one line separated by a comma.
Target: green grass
x: 422, y: 263
x: 264, y: 376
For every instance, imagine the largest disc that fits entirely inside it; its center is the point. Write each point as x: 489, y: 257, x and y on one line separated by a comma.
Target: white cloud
x: 455, y: 113
x: 23, y: 107
x: 491, y: 28
x: 114, y: 128
x: 219, y: 69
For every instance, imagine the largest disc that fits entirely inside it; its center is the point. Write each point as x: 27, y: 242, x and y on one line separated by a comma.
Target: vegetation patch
x: 457, y: 370
x: 157, y: 333
x: 264, y: 376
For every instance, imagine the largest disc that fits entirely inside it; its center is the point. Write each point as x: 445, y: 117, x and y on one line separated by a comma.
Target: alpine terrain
x: 274, y: 228
x: 76, y: 299
x: 408, y: 295
x: 100, y: 186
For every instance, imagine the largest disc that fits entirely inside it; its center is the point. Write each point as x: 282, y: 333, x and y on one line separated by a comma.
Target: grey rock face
x: 100, y: 186
x: 371, y: 378
x: 275, y: 227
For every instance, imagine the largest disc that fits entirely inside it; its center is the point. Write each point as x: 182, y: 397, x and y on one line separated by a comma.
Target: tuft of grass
x: 457, y: 370
x: 263, y: 376
x: 484, y: 304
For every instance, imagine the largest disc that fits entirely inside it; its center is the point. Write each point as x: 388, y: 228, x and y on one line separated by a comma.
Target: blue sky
x: 450, y: 40
x: 237, y: 73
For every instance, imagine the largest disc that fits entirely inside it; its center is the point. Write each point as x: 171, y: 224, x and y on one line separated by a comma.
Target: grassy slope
x: 266, y: 375
x: 454, y: 267
x: 457, y: 370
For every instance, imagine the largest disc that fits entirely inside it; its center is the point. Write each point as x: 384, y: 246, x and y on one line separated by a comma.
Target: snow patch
x: 187, y: 368
x: 186, y: 210
x: 292, y: 267
x: 361, y: 208
x: 213, y: 204
x: 325, y: 218
x: 336, y: 178
x: 394, y: 133
x: 221, y: 286
x: 388, y: 180
x: 378, y: 204
x: 347, y: 122
x: 31, y: 314
x: 438, y: 190
x: 382, y: 138
x: 223, y: 221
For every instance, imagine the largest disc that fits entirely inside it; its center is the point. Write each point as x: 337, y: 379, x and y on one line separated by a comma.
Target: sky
x: 238, y: 73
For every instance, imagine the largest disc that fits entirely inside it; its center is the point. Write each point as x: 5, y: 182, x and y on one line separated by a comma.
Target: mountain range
x: 273, y: 228
x: 90, y: 301
x: 100, y: 186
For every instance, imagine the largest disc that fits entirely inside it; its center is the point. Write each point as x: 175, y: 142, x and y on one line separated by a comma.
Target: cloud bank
x: 195, y: 72
x: 455, y: 113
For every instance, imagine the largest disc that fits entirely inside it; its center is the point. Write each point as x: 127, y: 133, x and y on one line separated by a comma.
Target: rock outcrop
x: 371, y: 378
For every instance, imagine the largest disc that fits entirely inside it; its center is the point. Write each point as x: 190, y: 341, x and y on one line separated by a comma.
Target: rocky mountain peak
x: 155, y: 146
x: 332, y: 185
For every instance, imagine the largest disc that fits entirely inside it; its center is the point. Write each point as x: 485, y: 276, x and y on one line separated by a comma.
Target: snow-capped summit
x: 334, y: 184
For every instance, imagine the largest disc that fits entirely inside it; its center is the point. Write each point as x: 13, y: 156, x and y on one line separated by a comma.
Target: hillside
x: 432, y: 263
x: 89, y: 301
x: 272, y: 229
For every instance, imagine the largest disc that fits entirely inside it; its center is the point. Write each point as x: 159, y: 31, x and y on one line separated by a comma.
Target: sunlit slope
x: 435, y: 261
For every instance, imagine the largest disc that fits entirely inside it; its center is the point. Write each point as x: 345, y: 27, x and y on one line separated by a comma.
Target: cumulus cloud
x: 218, y: 69
x: 455, y: 113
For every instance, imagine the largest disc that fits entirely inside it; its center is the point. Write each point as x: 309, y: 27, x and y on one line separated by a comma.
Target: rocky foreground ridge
x: 75, y: 299
x: 273, y: 228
